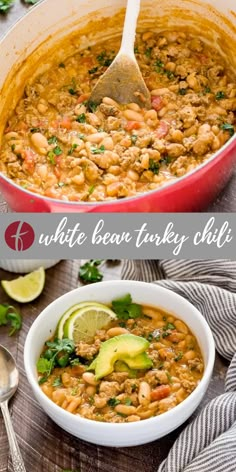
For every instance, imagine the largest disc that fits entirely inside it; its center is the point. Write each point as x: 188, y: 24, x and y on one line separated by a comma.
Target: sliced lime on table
x: 25, y: 289
x: 69, y: 312
x: 83, y: 324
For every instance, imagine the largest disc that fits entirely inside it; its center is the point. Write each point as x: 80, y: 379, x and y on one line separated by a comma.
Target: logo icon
x: 19, y: 236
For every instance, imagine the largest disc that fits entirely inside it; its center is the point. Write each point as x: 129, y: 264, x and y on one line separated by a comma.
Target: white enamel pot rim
x: 48, y: 13
x: 128, y: 434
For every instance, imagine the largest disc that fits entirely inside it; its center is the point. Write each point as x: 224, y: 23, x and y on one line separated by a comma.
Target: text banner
x: 117, y: 235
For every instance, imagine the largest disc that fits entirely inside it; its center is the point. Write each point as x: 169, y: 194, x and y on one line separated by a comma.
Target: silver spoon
x: 123, y: 80
x: 9, y: 379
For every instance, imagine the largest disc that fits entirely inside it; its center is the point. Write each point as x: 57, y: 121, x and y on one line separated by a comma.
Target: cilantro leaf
x: 220, y: 95
x: 57, y: 382
x: 113, y: 402
x: 125, y: 309
x: 5, y: 5
x: 178, y: 357
x: 89, y: 271
x: 228, y: 127
x: 57, y: 354
x: 96, y: 150
x: 81, y: 118
x: 9, y: 314
x: 154, y: 166
x: 43, y: 366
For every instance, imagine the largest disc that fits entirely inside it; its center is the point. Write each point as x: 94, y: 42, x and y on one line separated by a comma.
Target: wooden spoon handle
x: 129, y: 32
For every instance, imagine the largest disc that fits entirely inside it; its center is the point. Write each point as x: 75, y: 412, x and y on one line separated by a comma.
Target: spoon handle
x: 129, y: 31
x: 17, y: 461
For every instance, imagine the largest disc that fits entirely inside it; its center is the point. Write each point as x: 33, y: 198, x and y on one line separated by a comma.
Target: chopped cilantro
x: 57, y: 151
x: 96, y: 150
x: 91, y: 189
x: 71, y: 150
x: 51, y: 158
x: 154, y: 166
x: 178, y: 357
x: 169, y: 74
x: 92, y: 106
x: 159, y: 64
x: 72, y: 91
x: 150, y: 337
x: 75, y: 361
x: 58, y: 353
x: 89, y: 271
x: 8, y: 314
x: 61, y: 65
x: 220, y: 95
x: 148, y: 52
x: 113, y: 402
x: 93, y: 70
x: 35, y: 130
x: 166, y: 160
x: 125, y: 309
x: 169, y: 326
x: 52, y: 140
x: 57, y: 382
x: 134, y: 138
x: 182, y: 91
x: 134, y: 387
x: 128, y: 401
x: 81, y: 118
x: 228, y: 127
x: 169, y: 377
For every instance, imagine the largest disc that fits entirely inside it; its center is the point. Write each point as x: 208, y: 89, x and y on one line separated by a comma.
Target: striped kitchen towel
x: 208, y: 444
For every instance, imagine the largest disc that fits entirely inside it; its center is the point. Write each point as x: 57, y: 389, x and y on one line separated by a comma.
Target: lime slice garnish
x: 83, y: 324
x: 25, y: 289
x: 69, y: 312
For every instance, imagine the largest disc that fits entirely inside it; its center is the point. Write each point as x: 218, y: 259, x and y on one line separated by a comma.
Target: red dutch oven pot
x: 51, y: 18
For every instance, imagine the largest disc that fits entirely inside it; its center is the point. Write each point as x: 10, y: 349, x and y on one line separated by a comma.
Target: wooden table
x: 226, y: 202
x: 46, y: 447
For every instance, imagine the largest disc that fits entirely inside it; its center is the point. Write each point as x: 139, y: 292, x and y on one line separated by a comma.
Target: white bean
x: 39, y: 140
x: 89, y: 378
x: 117, y: 331
x: 132, y: 115
x: 144, y: 394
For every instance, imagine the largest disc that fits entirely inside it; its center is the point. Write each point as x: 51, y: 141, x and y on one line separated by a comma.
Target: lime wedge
x: 69, y: 312
x: 83, y: 324
x: 25, y: 289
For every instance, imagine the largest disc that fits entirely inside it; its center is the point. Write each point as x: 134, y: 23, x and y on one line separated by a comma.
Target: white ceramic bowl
x: 26, y: 265
x: 113, y: 434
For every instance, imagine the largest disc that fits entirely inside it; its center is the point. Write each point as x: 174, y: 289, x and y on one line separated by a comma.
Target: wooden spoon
x: 123, y: 81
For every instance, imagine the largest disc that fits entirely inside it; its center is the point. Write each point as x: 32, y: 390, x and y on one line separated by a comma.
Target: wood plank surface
x: 45, y: 446
x: 226, y: 202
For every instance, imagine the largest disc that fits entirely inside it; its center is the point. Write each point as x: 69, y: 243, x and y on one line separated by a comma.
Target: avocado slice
x: 118, y: 348
x: 142, y: 361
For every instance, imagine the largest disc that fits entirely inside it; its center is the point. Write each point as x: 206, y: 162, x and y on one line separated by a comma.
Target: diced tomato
x: 173, y: 337
x: 160, y: 392
x: 51, y: 193
x: 202, y: 58
x: 162, y: 129
x: 57, y: 170
x: 132, y: 125
x: 87, y: 61
x: 29, y: 162
x: 157, y: 103
x: 83, y: 97
x: 64, y: 122
x: 21, y: 126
